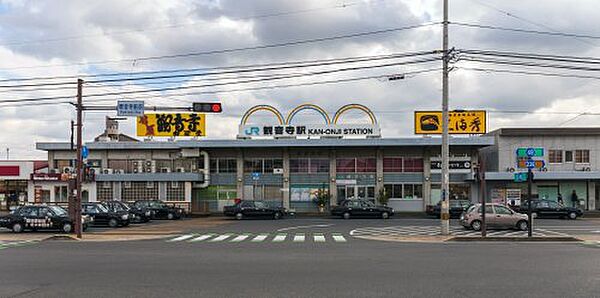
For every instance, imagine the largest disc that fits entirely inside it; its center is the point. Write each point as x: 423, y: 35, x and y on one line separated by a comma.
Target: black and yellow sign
x: 171, y: 125
x: 461, y: 122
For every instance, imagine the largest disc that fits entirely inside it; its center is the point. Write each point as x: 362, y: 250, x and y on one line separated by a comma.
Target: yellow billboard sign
x: 171, y: 125
x: 460, y: 122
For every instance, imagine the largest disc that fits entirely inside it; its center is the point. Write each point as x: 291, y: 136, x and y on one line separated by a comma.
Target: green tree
x: 383, y: 197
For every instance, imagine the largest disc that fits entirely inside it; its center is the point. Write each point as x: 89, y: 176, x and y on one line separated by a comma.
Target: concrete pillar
x: 379, y: 169
x: 332, y: 178
x: 426, y: 178
x: 286, y: 179
x: 240, y: 174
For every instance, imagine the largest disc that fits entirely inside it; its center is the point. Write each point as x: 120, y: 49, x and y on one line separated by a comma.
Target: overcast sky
x: 57, y: 38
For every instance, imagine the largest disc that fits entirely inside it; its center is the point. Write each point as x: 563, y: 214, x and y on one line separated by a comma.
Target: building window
x: 413, y: 165
x: 392, y: 164
x: 319, y: 165
x: 214, y: 165
x: 366, y: 165
x: 555, y: 156
x: 582, y: 156
x: 150, y: 184
x: 227, y: 165
x: 262, y: 165
x: 568, y: 156
x: 174, y: 184
x: 345, y: 165
x: 299, y: 165
x: 61, y: 194
x: 404, y: 191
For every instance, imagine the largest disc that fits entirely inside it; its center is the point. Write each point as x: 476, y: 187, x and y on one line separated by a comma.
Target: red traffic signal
x: 207, y: 107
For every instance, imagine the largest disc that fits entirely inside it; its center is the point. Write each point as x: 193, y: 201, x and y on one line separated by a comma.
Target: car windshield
x: 368, y: 203
x: 58, y: 210
x: 155, y: 204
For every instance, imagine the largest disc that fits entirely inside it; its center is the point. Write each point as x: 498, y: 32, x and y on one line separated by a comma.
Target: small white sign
x: 130, y: 108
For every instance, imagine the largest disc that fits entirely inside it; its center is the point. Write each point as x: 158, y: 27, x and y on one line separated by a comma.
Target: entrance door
x: 548, y: 193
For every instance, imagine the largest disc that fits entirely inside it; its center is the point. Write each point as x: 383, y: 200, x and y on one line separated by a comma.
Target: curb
x: 134, y: 233
x: 514, y: 239
x: 61, y: 237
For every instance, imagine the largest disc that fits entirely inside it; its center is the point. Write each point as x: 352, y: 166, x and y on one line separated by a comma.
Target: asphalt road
x: 354, y: 268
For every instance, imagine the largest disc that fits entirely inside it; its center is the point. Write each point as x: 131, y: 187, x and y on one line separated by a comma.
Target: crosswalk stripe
x: 260, y: 238
x: 201, y: 238
x: 239, y: 238
x: 338, y: 238
x: 220, y: 238
x: 181, y: 238
x: 319, y: 237
x: 299, y: 238
x: 279, y: 238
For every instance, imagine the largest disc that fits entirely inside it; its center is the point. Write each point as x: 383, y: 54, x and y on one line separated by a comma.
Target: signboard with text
x: 309, y: 130
x: 460, y: 122
x: 130, y: 108
x: 454, y: 165
x: 171, y: 125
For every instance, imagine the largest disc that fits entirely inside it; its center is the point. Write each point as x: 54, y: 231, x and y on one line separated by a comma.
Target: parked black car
x: 456, y: 208
x: 547, y: 208
x: 159, y: 209
x: 104, y: 217
x: 244, y: 209
x: 39, y: 217
x: 361, y: 208
x: 135, y: 214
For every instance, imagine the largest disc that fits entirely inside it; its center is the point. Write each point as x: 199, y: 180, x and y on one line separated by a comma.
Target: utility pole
x: 445, y: 216
x: 79, y: 171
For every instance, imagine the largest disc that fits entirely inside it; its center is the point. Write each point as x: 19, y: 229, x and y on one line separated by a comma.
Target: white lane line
x: 201, y: 238
x: 299, y: 237
x: 319, y: 237
x: 260, y: 238
x: 279, y: 238
x: 302, y: 227
x: 181, y: 238
x: 220, y: 238
x: 338, y: 238
x: 239, y: 238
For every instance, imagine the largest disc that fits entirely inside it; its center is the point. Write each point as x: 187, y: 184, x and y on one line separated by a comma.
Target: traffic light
x: 207, y: 107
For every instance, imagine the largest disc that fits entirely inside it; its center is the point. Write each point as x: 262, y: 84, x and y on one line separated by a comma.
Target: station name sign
x: 309, y: 130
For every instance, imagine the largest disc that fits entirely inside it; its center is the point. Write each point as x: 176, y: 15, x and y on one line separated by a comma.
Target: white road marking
x: 260, y: 238
x: 181, y: 238
x: 201, y: 238
x: 220, y: 238
x: 338, y: 238
x: 240, y: 238
x: 319, y: 237
x: 279, y: 238
x: 302, y: 227
x: 299, y: 238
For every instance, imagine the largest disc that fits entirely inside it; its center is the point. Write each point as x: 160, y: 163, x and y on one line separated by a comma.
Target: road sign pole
x: 529, y: 182
x: 483, y: 198
x: 445, y: 215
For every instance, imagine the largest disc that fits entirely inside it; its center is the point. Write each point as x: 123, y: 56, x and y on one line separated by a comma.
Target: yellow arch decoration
x: 307, y: 106
x: 354, y: 106
x: 257, y: 108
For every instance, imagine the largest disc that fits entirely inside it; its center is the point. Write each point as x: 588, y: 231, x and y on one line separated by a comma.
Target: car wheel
x: 277, y: 215
x: 67, y: 228
x: 534, y: 215
x: 113, y: 223
x: 385, y: 215
x: 17, y: 228
x: 170, y: 216
x: 476, y: 225
x: 572, y: 215
x: 239, y: 216
x: 522, y: 225
x: 346, y: 215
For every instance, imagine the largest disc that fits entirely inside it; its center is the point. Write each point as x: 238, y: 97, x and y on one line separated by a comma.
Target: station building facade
x: 205, y: 175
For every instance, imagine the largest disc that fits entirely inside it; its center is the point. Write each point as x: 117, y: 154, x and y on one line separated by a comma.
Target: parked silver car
x: 497, y: 216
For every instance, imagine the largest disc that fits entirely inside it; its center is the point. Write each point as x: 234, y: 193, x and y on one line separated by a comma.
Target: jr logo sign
x: 252, y: 131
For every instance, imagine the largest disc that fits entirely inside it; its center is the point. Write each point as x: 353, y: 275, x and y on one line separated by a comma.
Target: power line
x: 231, y: 50
x: 562, y: 75
x: 529, y: 64
x: 259, y: 16
x: 490, y: 27
x: 204, y: 69
x: 533, y: 56
x: 223, y: 84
